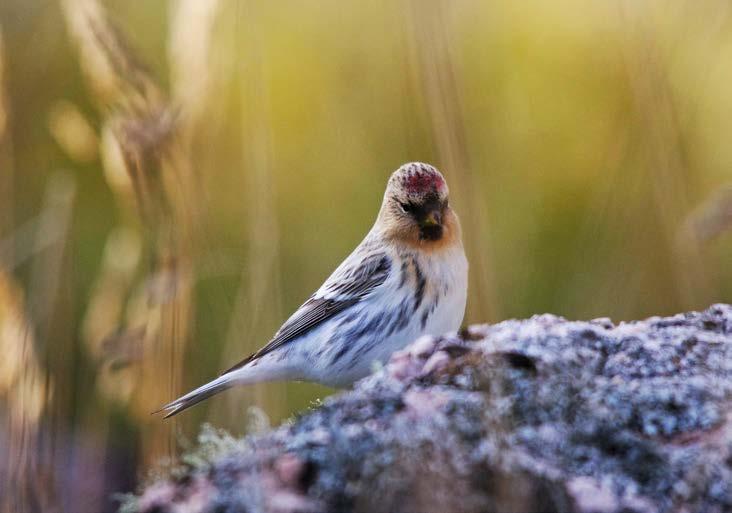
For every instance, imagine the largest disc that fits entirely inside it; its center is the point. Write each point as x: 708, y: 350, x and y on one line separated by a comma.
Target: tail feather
x: 264, y: 371
x: 196, y: 396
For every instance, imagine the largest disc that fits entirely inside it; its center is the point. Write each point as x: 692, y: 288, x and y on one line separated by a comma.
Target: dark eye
x: 407, y: 208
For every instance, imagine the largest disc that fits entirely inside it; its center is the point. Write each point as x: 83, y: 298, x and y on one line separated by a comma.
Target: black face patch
x: 419, y: 212
x: 430, y: 233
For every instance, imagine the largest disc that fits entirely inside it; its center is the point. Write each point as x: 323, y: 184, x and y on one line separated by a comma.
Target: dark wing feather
x: 348, y: 286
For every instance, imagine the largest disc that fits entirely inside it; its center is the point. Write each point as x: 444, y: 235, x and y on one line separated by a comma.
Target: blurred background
x: 176, y: 177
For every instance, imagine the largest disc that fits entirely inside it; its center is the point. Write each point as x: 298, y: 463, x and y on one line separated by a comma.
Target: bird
x: 407, y: 278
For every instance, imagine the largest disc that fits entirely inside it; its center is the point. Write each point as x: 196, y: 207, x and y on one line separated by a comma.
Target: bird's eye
x: 407, y: 208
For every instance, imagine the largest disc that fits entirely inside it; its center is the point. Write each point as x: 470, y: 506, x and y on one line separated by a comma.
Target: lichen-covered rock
x: 535, y: 415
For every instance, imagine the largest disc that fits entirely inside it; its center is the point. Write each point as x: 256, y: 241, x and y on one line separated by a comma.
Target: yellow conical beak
x: 433, y: 218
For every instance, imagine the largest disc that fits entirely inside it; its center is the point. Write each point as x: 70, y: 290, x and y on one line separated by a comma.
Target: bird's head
x: 415, y: 209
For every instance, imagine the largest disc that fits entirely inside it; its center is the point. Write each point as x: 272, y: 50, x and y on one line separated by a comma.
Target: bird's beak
x: 433, y: 218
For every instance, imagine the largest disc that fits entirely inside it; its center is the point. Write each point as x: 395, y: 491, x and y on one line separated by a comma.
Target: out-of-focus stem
x: 434, y: 77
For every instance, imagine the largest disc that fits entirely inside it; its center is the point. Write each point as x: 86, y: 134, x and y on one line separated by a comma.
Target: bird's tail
x: 196, y: 396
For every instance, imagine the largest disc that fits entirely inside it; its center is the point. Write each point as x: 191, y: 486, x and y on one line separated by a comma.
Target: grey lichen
x: 534, y: 415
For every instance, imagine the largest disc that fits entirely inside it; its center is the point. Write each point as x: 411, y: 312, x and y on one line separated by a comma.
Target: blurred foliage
x: 586, y: 145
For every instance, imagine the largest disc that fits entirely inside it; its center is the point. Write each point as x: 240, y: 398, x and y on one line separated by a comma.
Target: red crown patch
x: 422, y: 181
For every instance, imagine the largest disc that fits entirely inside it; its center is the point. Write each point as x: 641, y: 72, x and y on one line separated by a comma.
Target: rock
x: 541, y: 414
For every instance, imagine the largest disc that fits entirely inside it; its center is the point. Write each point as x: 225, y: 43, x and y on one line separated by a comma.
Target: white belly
x: 440, y: 310
x: 447, y: 290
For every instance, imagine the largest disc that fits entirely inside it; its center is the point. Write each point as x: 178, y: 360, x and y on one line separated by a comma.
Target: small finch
x: 407, y: 278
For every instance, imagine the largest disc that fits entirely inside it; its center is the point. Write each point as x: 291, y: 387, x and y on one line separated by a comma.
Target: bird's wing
x: 350, y: 283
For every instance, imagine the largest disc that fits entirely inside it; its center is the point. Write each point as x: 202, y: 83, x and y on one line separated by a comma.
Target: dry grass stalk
x: 72, y: 132
x: 6, y: 156
x: 435, y: 78
x: 656, y: 114
x: 25, y: 392
x: 45, y: 362
x: 113, y: 349
x: 147, y: 143
x: 258, y: 297
x: 47, y: 273
x: 26, y: 384
x: 113, y: 71
x: 190, y: 43
x: 710, y: 220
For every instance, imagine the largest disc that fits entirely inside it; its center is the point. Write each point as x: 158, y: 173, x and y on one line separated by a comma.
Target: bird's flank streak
x: 407, y: 278
x: 421, y: 283
x: 361, y: 280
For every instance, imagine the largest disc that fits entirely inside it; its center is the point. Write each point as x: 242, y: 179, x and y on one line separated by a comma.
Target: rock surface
x: 534, y: 415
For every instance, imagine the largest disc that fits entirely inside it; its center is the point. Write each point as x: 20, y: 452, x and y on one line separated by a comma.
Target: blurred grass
x: 586, y: 145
